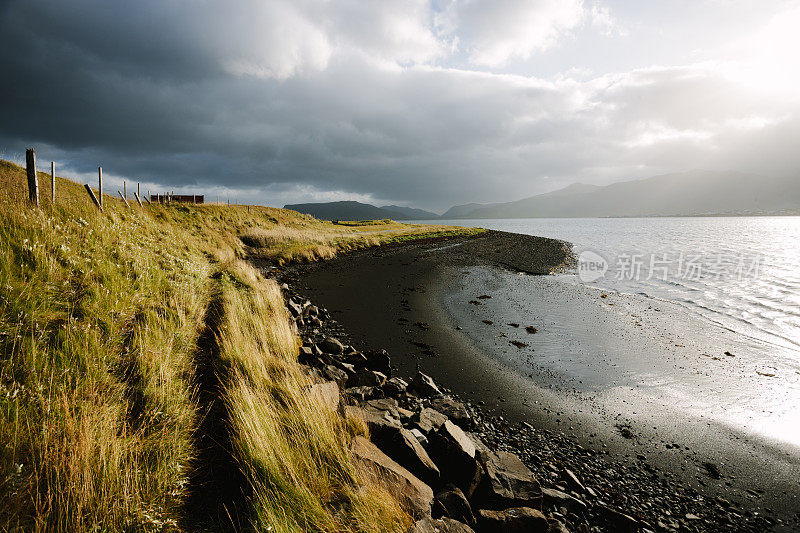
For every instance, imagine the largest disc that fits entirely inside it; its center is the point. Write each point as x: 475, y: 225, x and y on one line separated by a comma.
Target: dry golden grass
x: 294, y: 447
x: 99, y: 319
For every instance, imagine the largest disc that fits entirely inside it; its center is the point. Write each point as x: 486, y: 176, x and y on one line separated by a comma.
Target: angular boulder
x: 556, y: 526
x: 404, y: 448
x: 357, y: 359
x: 305, y: 354
x: 366, y: 378
x: 335, y: 374
x: 331, y: 345
x: 455, y: 455
x: 506, y: 482
x: 397, y: 442
x: 361, y: 394
x: 382, y: 406
x: 395, y: 387
x: 294, y: 308
x: 514, y: 520
x: 415, y: 496
x: 423, y: 385
x: 455, y: 411
x: 326, y: 395
x: 429, y: 420
x: 420, y: 436
x: 382, y: 425
x: 379, y: 361
x: 452, y: 503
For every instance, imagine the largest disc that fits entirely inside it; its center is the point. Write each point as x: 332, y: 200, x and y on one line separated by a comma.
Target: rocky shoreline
x: 474, y: 471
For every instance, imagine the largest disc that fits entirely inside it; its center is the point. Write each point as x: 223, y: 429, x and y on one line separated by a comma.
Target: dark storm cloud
x: 288, y: 101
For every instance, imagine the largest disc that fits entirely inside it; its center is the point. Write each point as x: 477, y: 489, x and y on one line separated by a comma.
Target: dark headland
x: 596, y: 474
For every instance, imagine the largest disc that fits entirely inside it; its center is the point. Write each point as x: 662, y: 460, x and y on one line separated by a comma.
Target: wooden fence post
x: 93, y: 197
x: 124, y: 188
x: 139, y: 189
x: 138, y: 199
x: 33, y: 182
x: 100, y: 186
x: 124, y: 199
x: 52, y: 183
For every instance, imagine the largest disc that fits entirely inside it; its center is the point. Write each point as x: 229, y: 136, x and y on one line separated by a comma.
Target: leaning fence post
x: 138, y: 199
x: 93, y: 197
x: 33, y: 182
x: 124, y: 199
x: 52, y: 183
x: 100, y: 186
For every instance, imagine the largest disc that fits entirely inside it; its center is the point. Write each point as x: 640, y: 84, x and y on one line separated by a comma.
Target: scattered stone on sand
x: 513, y: 324
x: 484, y: 297
x: 573, y: 481
x: 625, y: 431
x: 556, y: 498
x: 600, y: 496
x: 519, y: 344
x: 712, y: 470
x: 474, y: 302
x: 488, y: 322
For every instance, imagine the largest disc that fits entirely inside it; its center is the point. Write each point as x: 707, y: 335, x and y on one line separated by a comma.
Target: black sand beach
x: 458, y: 310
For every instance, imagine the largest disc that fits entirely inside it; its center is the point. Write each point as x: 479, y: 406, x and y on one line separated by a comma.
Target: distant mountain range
x: 411, y: 213
x: 697, y: 192
x: 350, y: 210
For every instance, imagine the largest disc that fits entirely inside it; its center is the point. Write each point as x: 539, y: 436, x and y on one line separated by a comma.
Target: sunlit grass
x: 99, y: 319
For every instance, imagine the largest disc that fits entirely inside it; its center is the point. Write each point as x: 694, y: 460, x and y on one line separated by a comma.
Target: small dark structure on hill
x: 177, y: 198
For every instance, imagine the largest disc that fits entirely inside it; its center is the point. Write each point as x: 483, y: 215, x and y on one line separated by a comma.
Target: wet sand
x: 624, y: 376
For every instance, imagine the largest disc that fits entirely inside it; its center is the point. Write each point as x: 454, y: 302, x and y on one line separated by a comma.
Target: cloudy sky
x: 424, y: 103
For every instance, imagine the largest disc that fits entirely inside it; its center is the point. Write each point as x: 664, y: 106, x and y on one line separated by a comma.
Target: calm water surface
x: 742, y: 273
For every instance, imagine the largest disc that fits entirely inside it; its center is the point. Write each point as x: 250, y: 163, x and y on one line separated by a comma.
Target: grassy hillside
x: 147, y: 370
